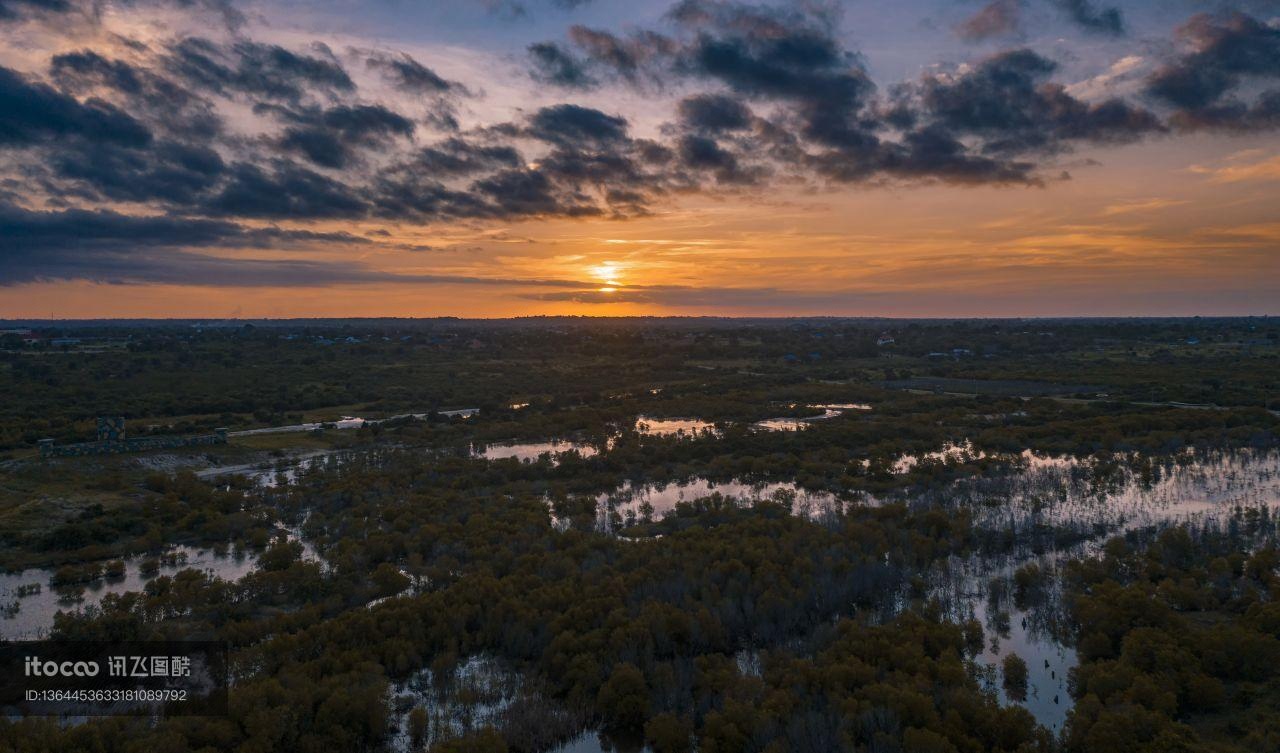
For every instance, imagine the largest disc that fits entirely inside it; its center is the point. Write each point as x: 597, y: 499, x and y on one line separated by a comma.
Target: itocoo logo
x: 33, y: 667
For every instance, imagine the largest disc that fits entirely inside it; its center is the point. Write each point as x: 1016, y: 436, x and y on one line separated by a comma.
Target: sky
x: 493, y: 158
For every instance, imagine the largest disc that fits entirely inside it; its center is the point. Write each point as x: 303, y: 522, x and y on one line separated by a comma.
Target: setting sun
x: 608, y: 272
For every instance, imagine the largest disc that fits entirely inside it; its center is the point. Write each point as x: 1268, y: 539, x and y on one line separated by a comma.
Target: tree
x: 623, y: 701
x: 668, y: 733
x: 1015, y: 676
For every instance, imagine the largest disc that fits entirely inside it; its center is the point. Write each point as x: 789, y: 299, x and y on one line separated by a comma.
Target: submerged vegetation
x: 719, y: 586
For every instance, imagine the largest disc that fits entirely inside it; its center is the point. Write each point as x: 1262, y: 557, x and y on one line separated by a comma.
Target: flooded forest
x: 580, y: 536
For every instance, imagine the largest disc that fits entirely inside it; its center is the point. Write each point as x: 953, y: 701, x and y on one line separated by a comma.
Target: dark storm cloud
x: 574, y: 124
x: 32, y: 112
x: 702, y: 153
x: 933, y: 153
x: 553, y: 64
x: 14, y: 9
x: 58, y: 11
x: 524, y: 9
x: 998, y: 18
x: 169, y: 172
x: 579, y: 168
x: 1223, y: 56
x: 456, y: 156
x: 1007, y: 101
x: 640, y: 57
x: 85, y: 69
x: 407, y: 74
x: 713, y: 113
x: 260, y: 70
x: 287, y: 191
x: 525, y: 192
x: 1262, y: 114
x: 107, y: 246
x: 167, y: 105
x: 332, y: 137
x: 785, y: 56
x: 824, y: 116
x: 1086, y: 15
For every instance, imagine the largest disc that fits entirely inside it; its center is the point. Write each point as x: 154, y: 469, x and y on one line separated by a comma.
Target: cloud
x: 168, y: 172
x: 1008, y: 101
x: 230, y: 130
x: 57, y: 12
x: 573, y: 124
x: 1122, y: 75
x: 827, y: 117
x: 713, y: 113
x: 31, y: 113
x: 255, y: 69
x: 1092, y: 18
x: 998, y: 18
x: 553, y: 64
x: 1222, y: 55
x: 407, y: 74
x: 286, y: 191
x: 332, y: 137
x: 106, y: 246
x: 16, y: 9
x: 1265, y: 169
x: 1148, y: 205
x: 167, y: 105
x: 455, y: 157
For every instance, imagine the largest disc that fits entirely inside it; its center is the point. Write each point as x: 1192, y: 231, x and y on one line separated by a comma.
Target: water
x: 594, y: 741
x: 34, y: 618
x: 950, y: 453
x: 982, y: 589
x: 627, y: 504
x: 475, y: 694
x: 530, y: 451
x: 1115, y: 494
x: 1090, y: 500
x: 349, y: 422
x: 796, y: 424
x: 662, y: 427
x: 271, y: 475
x: 694, y: 427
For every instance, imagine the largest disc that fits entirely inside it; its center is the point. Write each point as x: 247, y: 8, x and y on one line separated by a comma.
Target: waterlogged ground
x: 660, y: 427
x: 532, y: 450
x: 593, y: 741
x: 634, y: 503
x: 474, y: 695
x: 1051, y: 508
x: 30, y: 616
x: 34, y: 616
x: 1033, y: 626
x: 274, y: 473
x: 1091, y: 500
x: 349, y: 422
x: 1119, y: 493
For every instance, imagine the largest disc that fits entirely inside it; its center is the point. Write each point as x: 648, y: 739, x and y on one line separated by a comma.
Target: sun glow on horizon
x: 609, y: 272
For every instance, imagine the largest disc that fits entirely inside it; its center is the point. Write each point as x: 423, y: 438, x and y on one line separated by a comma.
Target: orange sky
x: 1176, y: 221
x: 1167, y: 228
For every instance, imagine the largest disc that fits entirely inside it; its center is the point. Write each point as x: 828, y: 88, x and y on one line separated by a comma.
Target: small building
x: 884, y: 339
